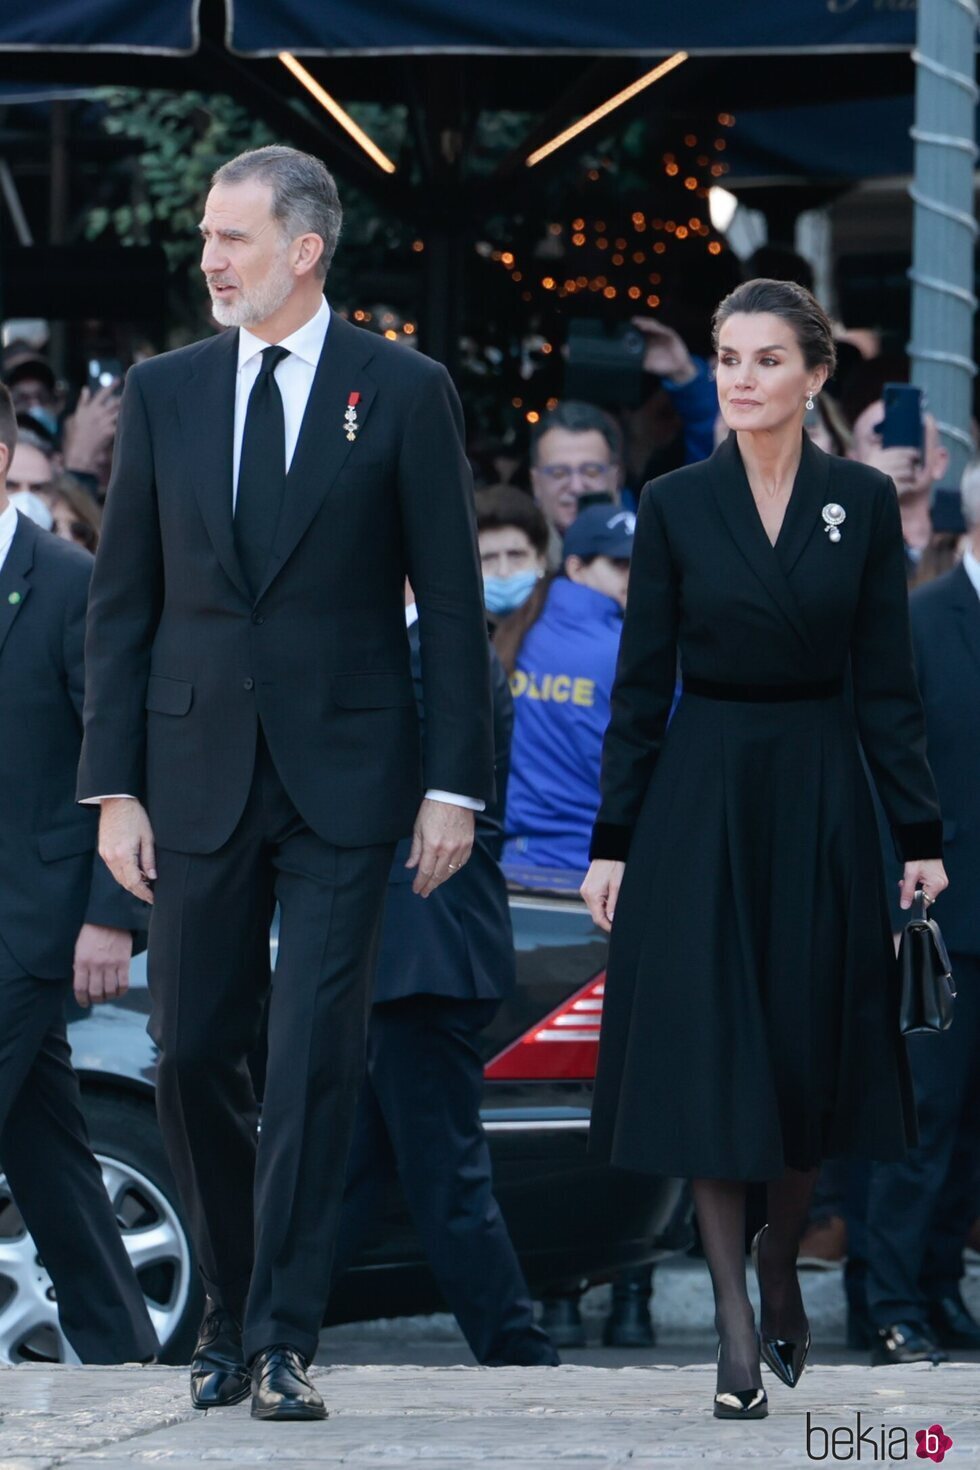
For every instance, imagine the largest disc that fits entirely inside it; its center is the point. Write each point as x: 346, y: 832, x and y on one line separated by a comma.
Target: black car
x: 570, y: 1219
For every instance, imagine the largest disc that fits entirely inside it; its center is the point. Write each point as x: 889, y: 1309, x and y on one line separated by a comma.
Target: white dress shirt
x: 8, y: 525
x: 294, y: 376
x: 971, y: 565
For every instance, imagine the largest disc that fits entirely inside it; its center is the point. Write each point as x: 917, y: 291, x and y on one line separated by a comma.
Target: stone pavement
x: 497, y: 1419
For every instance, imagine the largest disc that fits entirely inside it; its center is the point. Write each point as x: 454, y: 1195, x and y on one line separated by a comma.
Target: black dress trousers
x: 263, y: 1208
x: 919, y: 1210
x: 419, y: 1118
x: 55, y: 1179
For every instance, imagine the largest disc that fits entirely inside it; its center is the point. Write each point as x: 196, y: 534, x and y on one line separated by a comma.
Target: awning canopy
x: 325, y: 27
x: 148, y: 27
x: 710, y: 27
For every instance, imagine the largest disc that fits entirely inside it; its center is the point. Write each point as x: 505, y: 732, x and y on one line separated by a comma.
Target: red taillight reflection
x: 563, y: 1047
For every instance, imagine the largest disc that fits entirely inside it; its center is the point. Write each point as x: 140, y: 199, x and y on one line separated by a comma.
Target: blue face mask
x: 504, y: 594
x: 46, y: 419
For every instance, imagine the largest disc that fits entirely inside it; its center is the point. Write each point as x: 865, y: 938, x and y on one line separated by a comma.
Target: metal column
x: 945, y: 229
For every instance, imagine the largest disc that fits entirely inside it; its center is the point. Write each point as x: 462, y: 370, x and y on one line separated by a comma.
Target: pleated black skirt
x: 750, y: 1020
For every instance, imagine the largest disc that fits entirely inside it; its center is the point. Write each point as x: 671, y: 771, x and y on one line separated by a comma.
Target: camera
x: 605, y: 363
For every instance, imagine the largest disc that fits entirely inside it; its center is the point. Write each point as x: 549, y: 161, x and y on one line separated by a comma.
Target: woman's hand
x: 601, y: 890
x: 927, y: 874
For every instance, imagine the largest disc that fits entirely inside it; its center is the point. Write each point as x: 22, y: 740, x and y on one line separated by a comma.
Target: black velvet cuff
x: 919, y: 840
x: 610, y: 841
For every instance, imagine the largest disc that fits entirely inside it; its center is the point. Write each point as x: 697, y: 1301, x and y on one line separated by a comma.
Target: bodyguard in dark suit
x: 250, y: 698
x: 919, y: 1210
x: 62, y: 916
x: 445, y: 965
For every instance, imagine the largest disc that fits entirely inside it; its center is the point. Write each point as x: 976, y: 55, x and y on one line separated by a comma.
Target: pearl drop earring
x: 809, y: 401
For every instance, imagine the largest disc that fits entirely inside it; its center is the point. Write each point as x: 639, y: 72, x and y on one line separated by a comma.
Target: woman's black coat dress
x: 750, y: 1017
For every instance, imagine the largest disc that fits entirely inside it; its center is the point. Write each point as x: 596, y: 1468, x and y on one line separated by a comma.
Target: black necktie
x: 261, y: 471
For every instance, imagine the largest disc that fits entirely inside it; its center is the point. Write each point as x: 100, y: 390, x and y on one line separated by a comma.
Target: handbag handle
x: 919, y: 898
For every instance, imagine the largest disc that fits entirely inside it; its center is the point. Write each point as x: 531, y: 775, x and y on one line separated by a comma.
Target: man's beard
x: 248, y: 309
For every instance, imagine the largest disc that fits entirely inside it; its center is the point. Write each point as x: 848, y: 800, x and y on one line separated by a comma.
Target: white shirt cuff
x: 453, y: 799
x: 110, y: 796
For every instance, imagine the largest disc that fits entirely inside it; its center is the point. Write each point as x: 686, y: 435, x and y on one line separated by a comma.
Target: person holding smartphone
x: 916, y: 468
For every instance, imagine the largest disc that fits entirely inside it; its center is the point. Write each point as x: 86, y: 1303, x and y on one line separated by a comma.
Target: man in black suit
x: 444, y: 967
x: 919, y: 1211
x: 62, y: 918
x: 250, y: 715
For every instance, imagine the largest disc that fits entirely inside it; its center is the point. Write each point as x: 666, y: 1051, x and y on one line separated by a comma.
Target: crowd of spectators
x: 60, y: 467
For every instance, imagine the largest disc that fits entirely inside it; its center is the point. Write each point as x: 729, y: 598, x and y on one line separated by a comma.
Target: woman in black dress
x: 750, y: 1025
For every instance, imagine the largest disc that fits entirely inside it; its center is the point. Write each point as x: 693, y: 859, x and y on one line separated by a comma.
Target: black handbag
x: 928, y: 991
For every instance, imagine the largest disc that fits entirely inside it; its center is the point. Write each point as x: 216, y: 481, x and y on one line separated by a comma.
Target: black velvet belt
x: 764, y: 693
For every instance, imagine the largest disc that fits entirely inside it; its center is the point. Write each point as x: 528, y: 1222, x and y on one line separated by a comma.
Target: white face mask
x: 33, y: 507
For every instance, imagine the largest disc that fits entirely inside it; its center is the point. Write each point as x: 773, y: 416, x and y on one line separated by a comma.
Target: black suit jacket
x: 946, y: 638
x: 183, y: 662
x: 700, y: 553
x: 51, y: 878
x: 459, y: 941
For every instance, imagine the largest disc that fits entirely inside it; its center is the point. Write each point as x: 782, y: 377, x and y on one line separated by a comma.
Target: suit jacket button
x: 258, y: 618
x: 249, y: 683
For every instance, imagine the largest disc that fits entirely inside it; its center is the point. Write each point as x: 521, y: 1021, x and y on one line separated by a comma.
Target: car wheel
x: 126, y: 1141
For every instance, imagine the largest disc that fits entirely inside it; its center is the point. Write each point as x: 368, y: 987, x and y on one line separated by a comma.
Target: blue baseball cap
x: 601, y: 530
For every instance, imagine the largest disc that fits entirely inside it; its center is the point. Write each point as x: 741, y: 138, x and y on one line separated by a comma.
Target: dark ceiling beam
x: 598, y: 81
x: 288, y: 110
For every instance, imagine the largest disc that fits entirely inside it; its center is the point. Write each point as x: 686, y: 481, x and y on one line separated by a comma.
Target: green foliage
x: 183, y: 137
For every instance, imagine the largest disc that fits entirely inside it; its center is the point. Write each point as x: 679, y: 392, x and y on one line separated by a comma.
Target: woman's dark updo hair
x: 795, y: 304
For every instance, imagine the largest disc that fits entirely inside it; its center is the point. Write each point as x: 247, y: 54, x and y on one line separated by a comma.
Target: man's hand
x: 102, y: 959
x: 666, y: 353
x: 91, y: 429
x: 126, y: 845
x: 441, y: 843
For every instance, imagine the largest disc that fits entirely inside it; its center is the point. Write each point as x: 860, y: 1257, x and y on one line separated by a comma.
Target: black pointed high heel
x: 786, y: 1359
x: 744, y: 1403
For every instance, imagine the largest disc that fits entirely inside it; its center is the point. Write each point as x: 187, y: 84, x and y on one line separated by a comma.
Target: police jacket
x: 561, y: 686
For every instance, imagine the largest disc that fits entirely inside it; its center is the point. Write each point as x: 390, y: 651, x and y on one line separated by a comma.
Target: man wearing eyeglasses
x: 576, y: 451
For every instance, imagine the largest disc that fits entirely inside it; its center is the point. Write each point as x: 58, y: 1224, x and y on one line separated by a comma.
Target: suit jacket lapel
x: 810, y: 495
x: 323, y: 447
x: 733, y: 495
x: 206, y: 404
x: 15, y: 576
x: 967, y: 605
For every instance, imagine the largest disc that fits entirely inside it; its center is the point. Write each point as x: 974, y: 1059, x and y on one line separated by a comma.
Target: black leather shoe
x: 952, y: 1325
x: 749, y: 1403
x: 562, y: 1321
x: 218, y: 1373
x: 744, y: 1403
x: 786, y: 1358
x: 628, y: 1324
x: 280, y: 1387
x: 905, y: 1342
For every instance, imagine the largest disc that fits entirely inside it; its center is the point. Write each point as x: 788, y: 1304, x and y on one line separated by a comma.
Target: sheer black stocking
x: 720, y: 1206
x: 788, y: 1202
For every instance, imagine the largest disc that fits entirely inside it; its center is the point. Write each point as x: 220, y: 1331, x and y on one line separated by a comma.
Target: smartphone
x: 902, y: 425
x: 103, y: 372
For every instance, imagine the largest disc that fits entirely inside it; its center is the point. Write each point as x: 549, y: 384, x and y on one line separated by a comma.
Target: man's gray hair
x: 304, y: 195
x: 970, y: 492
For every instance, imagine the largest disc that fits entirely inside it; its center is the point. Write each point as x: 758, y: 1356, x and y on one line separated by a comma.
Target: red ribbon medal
x: 351, y: 425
